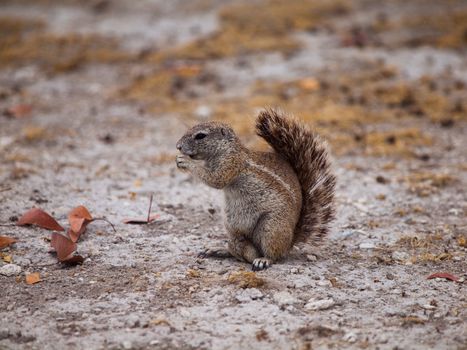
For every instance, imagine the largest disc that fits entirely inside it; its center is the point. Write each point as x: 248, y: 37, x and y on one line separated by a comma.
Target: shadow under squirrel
x: 272, y: 199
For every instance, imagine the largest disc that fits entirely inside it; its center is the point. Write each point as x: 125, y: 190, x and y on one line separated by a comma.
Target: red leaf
x: 141, y: 221
x: 6, y: 241
x: 19, y: 111
x: 445, y: 275
x: 79, y: 218
x: 73, y: 260
x: 38, y: 217
x: 63, y: 245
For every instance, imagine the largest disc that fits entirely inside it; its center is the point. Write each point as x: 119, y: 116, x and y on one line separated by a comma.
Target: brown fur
x: 307, y: 154
x: 272, y: 199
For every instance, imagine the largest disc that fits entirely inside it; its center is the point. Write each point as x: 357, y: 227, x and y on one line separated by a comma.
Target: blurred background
x: 348, y: 67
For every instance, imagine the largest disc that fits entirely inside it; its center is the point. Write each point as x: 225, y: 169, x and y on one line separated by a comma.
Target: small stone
x: 301, y: 283
x: 350, y: 337
x: 248, y: 294
x: 294, y: 270
x: 10, y: 270
x: 132, y: 321
x: 311, y: 257
x: 366, y: 245
x: 22, y: 261
x: 324, y: 283
x: 284, y: 298
x: 400, y: 256
x: 185, y: 313
x: 428, y: 307
x: 127, y: 345
x: 322, y: 304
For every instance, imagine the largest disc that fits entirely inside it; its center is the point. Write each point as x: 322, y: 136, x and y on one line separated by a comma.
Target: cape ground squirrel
x: 272, y: 199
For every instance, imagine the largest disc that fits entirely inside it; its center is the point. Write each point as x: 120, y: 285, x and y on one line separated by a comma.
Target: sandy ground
x: 143, y: 287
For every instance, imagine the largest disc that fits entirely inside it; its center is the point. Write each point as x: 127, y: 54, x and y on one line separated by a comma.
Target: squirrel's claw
x: 261, y: 264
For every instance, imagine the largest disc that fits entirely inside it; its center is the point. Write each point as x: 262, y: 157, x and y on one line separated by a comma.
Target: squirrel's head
x: 207, y: 140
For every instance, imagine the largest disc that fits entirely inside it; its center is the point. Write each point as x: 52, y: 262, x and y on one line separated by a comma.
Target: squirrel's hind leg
x: 215, y: 252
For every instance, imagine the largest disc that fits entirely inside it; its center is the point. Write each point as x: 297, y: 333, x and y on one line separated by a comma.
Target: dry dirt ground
x: 95, y: 94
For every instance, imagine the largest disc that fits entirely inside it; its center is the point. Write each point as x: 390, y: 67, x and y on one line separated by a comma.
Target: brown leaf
x: 79, y: 218
x: 141, y: 221
x: 32, y: 278
x: 38, y: 217
x: 20, y: 111
x: 63, y: 245
x: 73, y: 260
x: 6, y: 241
x: 445, y: 275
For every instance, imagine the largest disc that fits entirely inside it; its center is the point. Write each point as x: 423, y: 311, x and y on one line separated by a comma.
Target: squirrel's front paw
x: 183, y: 161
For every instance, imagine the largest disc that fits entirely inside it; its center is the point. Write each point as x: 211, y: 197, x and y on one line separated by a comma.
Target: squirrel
x: 272, y: 199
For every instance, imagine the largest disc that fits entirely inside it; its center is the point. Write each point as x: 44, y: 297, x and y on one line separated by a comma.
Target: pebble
x: 400, y: 256
x: 248, y: 294
x: 22, y: 261
x: 366, y: 245
x: 322, y: 304
x: 350, y: 337
x: 127, y: 345
x: 132, y: 321
x: 311, y: 257
x: 324, y: 283
x: 185, y: 313
x: 284, y: 298
x: 10, y: 270
x: 428, y: 307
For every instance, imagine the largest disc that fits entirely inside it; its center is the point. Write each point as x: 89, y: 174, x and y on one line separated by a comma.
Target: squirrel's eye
x: 200, y: 136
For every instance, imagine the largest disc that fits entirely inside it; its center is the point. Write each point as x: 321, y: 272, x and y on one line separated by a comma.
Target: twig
x: 107, y: 221
x: 8, y: 225
x: 5, y: 189
x: 150, y: 206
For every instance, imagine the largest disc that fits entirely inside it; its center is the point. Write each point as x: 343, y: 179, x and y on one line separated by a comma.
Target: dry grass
x: 424, y: 184
x: 399, y: 142
x: 447, y: 29
x: 245, y: 279
x: 25, y: 42
x: 252, y: 27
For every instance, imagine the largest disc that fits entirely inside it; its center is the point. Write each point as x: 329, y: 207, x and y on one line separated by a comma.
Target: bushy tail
x: 307, y: 154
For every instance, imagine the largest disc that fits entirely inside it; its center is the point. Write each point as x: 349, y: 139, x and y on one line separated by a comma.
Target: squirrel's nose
x: 179, y: 146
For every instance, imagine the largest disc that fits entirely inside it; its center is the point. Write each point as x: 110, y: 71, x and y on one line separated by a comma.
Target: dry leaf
x: 38, y: 217
x: 20, y: 111
x: 7, y: 258
x: 73, y: 260
x: 445, y: 275
x: 6, y: 241
x: 65, y: 249
x: 32, y: 278
x: 79, y: 218
x: 63, y: 245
